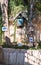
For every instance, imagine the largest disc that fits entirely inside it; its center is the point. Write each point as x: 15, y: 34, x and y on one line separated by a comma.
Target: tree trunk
x: 5, y: 20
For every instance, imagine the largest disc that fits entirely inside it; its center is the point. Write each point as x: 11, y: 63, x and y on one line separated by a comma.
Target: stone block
x: 12, y: 58
x: 6, y: 57
x: 20, y: 59
x: 31, y: 62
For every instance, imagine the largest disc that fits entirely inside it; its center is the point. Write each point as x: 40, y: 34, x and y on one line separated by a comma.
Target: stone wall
x: 21, y: 57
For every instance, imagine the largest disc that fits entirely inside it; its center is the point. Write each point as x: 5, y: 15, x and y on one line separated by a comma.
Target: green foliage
x: 39, y: 43
x: 38, y: 6
x: 18, y: 9
x: 15, y: 46
x: 15, y: 6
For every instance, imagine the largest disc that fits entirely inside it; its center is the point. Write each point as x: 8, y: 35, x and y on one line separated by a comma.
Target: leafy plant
x: 38, y: 6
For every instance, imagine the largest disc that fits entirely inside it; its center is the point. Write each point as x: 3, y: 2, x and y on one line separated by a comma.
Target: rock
x: 20, y: 44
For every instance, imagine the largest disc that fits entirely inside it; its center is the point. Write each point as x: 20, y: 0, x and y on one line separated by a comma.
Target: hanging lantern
x: 20, y: 22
